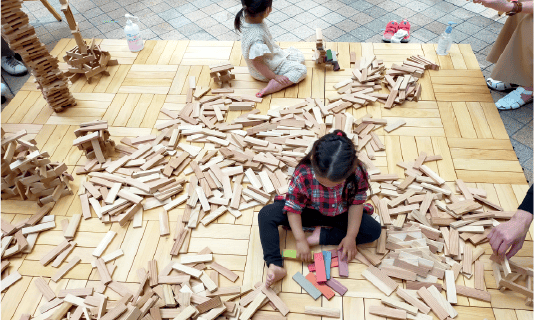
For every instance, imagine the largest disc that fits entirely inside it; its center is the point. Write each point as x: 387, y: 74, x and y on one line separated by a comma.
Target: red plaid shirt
x: 305, y: 191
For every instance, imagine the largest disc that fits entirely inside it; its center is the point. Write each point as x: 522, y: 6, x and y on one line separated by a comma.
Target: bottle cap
x: 449, y: 28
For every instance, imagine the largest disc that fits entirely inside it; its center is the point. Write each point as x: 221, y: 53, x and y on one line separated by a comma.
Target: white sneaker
x: 13, y: 66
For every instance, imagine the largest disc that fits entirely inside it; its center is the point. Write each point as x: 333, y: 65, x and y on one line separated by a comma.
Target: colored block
x: 335, y: 262
x: 337, y: 286
x: 325, y: 290
x: 311, y: 267
x: 327, y: 255
x: 307, y: 286
x: 320, y: 267
x: 343, y: 266
x: 289, y: 254
x: 334, y: 253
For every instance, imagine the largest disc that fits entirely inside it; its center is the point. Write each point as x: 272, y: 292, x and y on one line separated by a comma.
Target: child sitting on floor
x: 265, y: 59
x: 328, y: 188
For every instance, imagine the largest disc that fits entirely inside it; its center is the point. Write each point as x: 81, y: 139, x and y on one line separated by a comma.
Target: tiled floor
x: 293, y: 20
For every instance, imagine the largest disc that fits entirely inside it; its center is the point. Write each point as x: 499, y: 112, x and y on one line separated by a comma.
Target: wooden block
x: 73, y: 226
x: 325, y: 290
x: 473, y: 293
x: 467, y: 261
x: 206, y: 280
x: 45, y: 289
x: 54, y: 253
x: 451, y: 286
x: 104, y: 243
x: 225, y: 291
x: 380, y: 280
x: 390, y: 313
x: 393, y: 303
x: 230, y: 275
x: 185, y: 269
x: 479, y: 275
x: 103, y: 271
x: 343, y: 265
x: 323, y: 312
x: 399, y: 273
x: 436, y: 307
x: 306, y: 285
x: 320, y: 267
x: 66, y: 268
x: 279, y: 304
x: 10, y: 280
x: 413, y: 301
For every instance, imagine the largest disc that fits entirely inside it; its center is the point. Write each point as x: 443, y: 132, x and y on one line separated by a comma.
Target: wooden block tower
x: 21, y: 37
x: 84, y: 60
x: 94, y: 138
x: 221, y: 73
x: 322, y: 55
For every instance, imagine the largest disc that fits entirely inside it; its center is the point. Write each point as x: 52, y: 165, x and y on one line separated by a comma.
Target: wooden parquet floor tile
x: 456, y: 118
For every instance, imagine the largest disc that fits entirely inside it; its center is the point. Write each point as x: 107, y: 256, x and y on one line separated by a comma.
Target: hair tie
x: 340, y: 134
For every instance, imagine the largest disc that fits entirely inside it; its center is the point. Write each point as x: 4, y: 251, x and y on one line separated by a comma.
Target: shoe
x: 391, y: 28
x: 499, y: 85
x: 405, y: 25
x: 4, y: 92
x: 13, y: 66
x: 513, y: 100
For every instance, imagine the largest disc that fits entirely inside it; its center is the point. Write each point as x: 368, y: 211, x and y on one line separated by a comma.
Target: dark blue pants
x: 271, y: 216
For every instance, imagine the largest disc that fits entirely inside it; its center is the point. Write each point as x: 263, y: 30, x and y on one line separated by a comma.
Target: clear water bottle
x: 445, y: 41
x: 133, y: 34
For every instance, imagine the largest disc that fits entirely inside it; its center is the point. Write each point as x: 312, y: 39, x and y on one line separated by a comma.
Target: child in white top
x: 266, y: 61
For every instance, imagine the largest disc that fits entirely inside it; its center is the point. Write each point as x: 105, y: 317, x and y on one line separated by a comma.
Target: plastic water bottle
x: 133, y: 35
x: 445, y: 41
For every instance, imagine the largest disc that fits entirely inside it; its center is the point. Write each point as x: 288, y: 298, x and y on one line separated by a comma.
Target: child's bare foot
x: 274, y: 274
x: 313, y: 240
x: 272, y: 86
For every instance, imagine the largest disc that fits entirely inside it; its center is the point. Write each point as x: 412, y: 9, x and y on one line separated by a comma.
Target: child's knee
x: 268, y: 213
x: 376, y: 231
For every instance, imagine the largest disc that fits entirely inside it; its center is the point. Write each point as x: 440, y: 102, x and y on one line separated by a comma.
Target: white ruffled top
x: 256, y: 41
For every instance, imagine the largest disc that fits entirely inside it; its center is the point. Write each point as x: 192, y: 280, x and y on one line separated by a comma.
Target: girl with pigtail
x: 266, y: 61
x: 328, y: 188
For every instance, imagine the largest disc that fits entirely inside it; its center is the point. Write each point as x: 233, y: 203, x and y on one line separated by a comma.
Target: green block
x: 328, y: 54
x: 292, y: 254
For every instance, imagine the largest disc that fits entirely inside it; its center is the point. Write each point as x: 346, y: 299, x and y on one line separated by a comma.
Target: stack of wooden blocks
x: 94, y: 139
x: 402, y: 80
x: 21, y: 37
x: 321, y: 55
x: 84, y: 60
x: 222, y: 74
x: 29, y: 174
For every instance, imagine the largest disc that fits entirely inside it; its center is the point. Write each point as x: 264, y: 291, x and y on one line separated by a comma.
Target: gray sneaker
x: 13, y: 66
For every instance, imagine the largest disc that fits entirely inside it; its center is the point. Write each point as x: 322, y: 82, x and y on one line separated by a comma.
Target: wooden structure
x: 84, y: 60
x: 328, y: 56
x: 21, y: 37
x: 94, y: 138
x: 222, y: 74
x: 464, y: 128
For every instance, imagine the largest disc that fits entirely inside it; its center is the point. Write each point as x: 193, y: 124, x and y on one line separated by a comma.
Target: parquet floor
x: 457, y: 119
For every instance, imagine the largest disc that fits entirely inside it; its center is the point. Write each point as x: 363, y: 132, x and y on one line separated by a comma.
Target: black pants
x: 271, y: 216
x: 6, y: 51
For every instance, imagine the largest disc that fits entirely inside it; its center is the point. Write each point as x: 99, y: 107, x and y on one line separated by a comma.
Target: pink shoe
x: 391, y: 28
x: 405, y: 25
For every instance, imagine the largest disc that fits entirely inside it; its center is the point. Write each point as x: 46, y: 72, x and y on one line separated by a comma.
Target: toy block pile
x: 28, y: 174
x: 180, y: 290
x: 402, y: 80
x: 94, y: 139
x: 84, y: 60
x: 222, y: 74
x: 324, y: 56
x: 21, y: 37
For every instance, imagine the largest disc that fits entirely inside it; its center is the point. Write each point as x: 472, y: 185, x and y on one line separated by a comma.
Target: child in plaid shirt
x: 328, y: 188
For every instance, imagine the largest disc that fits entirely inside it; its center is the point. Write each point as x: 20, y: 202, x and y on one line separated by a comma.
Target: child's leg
x: 369, y: 231
x: 270, y: 217
x: 293, y: 70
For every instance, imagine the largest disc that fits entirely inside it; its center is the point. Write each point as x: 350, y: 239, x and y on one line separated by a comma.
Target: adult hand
x: 499, y: 5
x: 303, y: 251
x: 282, y: 79
x: 348, y: 244
x: 510, y: 235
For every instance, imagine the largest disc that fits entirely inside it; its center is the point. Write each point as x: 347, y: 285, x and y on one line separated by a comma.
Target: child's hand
x: 282, y: 79
x: 303, y: 251
x: 349, y: 248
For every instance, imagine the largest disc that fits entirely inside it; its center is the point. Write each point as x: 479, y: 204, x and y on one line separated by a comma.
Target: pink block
x: 343, y: 266
x: 320, y: 271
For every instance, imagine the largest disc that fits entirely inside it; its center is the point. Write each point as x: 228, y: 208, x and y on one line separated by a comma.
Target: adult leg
x: 6, y: 51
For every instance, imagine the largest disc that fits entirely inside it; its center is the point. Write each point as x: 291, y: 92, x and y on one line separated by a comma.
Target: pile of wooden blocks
x: 21, y: 37
x: 181, y: 290
x: 28, y: 174
x: 324, y: 56
x: 402, y: 80
x: 222, y: 74
x: 94, y: 139
x: 513, y: 277
x: 84, y: 60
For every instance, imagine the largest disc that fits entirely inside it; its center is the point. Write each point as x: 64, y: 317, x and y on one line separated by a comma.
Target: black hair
x: 251, y: 8
x: 333, y: 157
